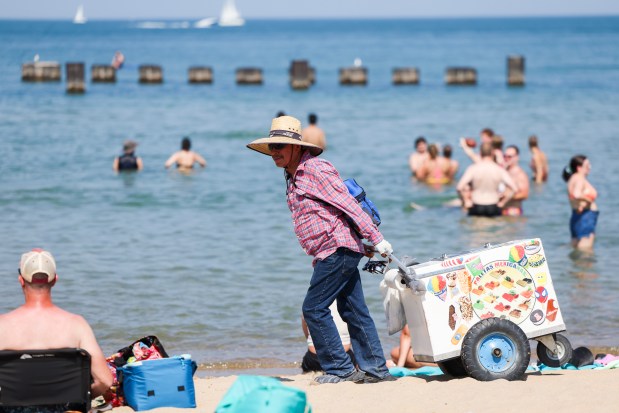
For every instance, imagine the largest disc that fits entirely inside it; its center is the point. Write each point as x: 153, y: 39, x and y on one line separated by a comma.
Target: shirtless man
x: 485, y: 178
x: 514, y: 206
x: 185, y: 158
x: 539, y: 162
x: 486, y: 136
x: 417, y: 158
x: 313, y: 134
x: 40, y: 325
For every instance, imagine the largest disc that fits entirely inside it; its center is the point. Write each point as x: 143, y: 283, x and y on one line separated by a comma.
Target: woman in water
x: 435, y: 170
x: 582, y: 197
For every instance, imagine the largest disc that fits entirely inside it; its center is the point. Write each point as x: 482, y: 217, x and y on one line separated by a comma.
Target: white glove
x: 384, y: 248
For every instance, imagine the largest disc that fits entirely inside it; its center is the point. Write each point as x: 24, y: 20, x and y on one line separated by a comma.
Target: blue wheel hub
x: 496, y: 352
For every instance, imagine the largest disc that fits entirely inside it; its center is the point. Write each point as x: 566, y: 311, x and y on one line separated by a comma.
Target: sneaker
x: 373, y: 379
x: 356, y: 377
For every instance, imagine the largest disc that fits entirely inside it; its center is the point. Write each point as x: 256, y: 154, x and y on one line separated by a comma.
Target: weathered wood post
x: 200, y: 74
x: 405, y: 76
x: 515, y: 70
x: 353, y: 75
x: 75, y: 78
x: 40, y: 72
x: 301, y: 76
x: 249, y: 76
x: 102, y: 74
x: 461, y: 76
x: 151, y: 74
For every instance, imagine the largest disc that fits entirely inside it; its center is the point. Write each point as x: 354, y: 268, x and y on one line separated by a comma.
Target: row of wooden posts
x: 302, y: 75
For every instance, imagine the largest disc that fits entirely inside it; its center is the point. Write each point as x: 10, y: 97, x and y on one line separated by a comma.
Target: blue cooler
x: 166, y: 382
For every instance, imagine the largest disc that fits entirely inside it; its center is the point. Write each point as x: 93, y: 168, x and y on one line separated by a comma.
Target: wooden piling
x: 461, y: 76
x: 200, y: 74
x: 353, y: 76
x: 515, y: 70
x: 302, y: 76
x: 75, y: 78
x: 151, y: 74
x: 405, y: 76
x: 102, y: 74
x: 40, y: 72
x: 249, y: 76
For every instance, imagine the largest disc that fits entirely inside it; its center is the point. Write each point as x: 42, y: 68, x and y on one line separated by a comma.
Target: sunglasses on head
x: 277, y: 146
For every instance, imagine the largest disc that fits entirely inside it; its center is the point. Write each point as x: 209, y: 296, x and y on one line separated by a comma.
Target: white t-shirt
x: 342, y: 327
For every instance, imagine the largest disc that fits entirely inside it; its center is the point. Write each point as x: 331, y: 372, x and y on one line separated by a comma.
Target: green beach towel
x: 259, y: 394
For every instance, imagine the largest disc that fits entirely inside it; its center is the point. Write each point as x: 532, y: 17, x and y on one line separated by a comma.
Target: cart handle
x: 409, y: 276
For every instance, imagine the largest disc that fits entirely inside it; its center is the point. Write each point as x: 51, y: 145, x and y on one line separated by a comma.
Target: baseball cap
x: 37, y: 261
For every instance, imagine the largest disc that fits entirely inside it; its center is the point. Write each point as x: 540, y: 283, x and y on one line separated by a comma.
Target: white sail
x: 79, y: 18
x: 230, y: 15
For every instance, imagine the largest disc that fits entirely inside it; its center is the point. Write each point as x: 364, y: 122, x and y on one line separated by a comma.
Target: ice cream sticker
x: 517, y: 255
x: 438, y: 286
x: 475, y: 267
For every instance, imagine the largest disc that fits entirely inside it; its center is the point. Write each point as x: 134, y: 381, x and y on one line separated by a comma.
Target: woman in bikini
x: 435, y: 170
x: 582, y: 197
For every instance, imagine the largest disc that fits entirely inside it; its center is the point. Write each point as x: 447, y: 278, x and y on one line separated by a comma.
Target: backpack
x: 364, y: 202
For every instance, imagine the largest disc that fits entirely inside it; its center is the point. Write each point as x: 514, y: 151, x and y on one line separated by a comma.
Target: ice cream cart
x: 474, y: 313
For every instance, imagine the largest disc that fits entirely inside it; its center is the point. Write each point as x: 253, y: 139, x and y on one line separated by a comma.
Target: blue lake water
x: 209, y: 262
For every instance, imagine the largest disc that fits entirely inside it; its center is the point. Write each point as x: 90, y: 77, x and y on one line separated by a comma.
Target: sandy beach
x: 562, y: 390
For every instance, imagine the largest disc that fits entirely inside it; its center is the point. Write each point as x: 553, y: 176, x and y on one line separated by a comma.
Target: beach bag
x: 259, y: 394
x: 163, y: 382
x: 146, y: 348
x: 364, y: 202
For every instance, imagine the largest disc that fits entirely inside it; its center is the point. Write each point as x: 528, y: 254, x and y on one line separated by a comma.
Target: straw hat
x: 284, y: 129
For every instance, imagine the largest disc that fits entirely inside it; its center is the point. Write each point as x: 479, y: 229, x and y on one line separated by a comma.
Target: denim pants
x: 337, y: 278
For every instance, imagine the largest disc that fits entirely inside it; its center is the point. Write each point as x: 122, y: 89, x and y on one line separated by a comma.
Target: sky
x: 197, y: 9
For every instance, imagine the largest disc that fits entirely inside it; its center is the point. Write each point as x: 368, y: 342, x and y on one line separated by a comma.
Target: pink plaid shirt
x: 320, y: 202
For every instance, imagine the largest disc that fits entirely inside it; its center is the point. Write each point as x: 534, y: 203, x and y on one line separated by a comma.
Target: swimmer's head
x: 186, y: 144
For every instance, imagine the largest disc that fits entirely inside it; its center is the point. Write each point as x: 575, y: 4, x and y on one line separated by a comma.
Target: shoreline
x: 561, y: 390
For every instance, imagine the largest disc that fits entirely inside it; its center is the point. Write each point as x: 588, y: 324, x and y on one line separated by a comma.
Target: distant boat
x: 230, y: 15
x: 79, y: 18
x: 205, y: 23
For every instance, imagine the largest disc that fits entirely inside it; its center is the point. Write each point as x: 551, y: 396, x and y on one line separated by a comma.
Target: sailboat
x: 230, y: 15
x: 79, y: 16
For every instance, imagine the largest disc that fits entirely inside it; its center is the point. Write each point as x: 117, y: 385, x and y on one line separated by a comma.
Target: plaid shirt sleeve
x: 321, y: 180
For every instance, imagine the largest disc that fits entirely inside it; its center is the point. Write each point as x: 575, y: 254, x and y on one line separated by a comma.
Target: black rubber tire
x: 505, y: 331
x: 564, y: 355
x: 453, y: 367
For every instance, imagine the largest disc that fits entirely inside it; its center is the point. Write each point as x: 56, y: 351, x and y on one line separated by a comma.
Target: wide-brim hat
x: 284, y: 129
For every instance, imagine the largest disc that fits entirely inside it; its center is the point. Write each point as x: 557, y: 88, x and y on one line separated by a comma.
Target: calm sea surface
x: 209, y: 262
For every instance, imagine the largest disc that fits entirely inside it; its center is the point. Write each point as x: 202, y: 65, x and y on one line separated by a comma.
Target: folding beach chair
x: 45, y: 378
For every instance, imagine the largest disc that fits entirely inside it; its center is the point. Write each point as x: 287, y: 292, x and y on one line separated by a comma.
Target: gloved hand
x: 384, y: 248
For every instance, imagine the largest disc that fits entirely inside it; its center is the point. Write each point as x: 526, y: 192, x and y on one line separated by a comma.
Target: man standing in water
x: 313, y: 133
x: 485, y: 178
x: 40, y: 325
x: 417, y: 158
x: 326, y: 219
x: 539, y: 162
x: 185, y: 158
x: 514, y: 206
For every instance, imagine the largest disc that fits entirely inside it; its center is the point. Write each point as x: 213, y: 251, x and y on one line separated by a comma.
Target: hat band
x: 287, y: 133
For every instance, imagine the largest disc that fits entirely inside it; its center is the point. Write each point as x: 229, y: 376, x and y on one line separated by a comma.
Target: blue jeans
x: 337, y: 278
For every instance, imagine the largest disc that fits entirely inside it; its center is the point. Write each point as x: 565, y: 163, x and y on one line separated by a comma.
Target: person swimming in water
x: 582, y: 196
x: 185, y: 158
x: 435, y: 170
x: 128, y: 161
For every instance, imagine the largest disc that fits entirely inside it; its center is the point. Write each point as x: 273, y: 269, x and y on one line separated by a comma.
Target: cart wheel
x: 495, y: 349
x: 453, y: 367
x: 564, y: 352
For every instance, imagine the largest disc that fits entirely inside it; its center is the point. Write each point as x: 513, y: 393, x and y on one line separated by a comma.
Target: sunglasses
x: 277, y: 146
x: 509, y: 156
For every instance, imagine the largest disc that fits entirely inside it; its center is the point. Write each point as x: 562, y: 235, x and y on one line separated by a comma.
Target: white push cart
x: 474, y: 312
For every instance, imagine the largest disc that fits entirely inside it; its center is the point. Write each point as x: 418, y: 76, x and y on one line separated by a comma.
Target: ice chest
x: 509, y: 281
x: 166, y: 382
